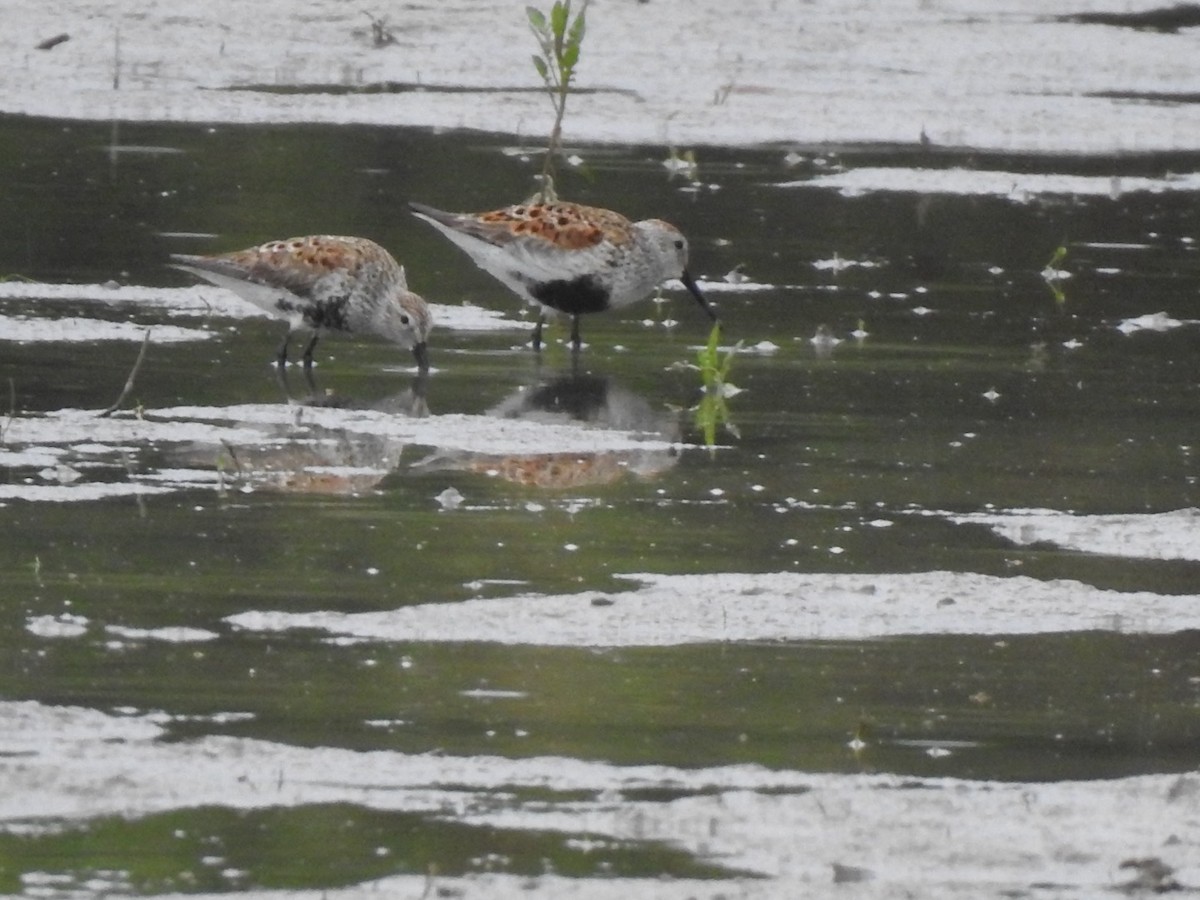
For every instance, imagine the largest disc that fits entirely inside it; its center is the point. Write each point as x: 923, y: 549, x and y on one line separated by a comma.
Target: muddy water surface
x: 976, y: 384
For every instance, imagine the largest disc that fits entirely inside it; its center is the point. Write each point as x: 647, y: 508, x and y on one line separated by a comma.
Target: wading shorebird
x: 324, y: 283
x: 569, y: 258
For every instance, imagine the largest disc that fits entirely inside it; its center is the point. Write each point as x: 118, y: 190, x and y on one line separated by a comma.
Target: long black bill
x: 421, y: 352
x: 694, y: 290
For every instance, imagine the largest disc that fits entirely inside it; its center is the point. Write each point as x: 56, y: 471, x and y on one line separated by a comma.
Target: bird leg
x: 308, y: 351
x: 575, y: 342
x: 281, y: 353
x: 285, y: 385
x: 309, y: 381
x: 281, y: 379
x: 537, y: 330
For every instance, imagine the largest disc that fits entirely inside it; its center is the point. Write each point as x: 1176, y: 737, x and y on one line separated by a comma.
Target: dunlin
x: 569, y: 258
x: 324, y: 283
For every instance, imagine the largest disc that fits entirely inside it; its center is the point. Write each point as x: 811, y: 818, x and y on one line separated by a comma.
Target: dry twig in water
x: 132, y: 376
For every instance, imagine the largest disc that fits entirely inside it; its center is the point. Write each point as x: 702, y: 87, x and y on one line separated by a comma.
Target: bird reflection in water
x: 573, y: 399
x: 304, y: 457
x: 410, y: 402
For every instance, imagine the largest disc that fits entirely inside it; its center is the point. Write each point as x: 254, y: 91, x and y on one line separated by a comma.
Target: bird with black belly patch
x: 568, y: 258
x: 325, y: 283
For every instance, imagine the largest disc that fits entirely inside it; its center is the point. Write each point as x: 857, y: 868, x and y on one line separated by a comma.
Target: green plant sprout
x: 1054, y: 276
x: 682, y: 164
x: 1056, y: 258
x: 560, y: 38
x: 714, y: 366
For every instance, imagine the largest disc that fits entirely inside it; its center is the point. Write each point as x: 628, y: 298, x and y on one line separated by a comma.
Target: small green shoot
x: 714, y: 366
x: 1056, y: 259
x: 1054, y: 276
x: 560, y: 39
x: 682, y: 164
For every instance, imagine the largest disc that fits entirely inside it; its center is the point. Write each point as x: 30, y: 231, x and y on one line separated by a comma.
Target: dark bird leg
x: 575, y: 341
x: 281, y: 379
x: 285, y: 385
x: 308, y: 351
x: 281, y: 353
x: 309, y: 381
x: 537, y: 331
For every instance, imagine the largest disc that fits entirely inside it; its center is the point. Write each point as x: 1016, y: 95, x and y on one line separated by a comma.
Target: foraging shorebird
x: 569, y: 258
x: 324, y: 283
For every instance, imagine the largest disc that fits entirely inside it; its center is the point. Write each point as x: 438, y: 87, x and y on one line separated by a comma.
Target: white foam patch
x: 71, y: 329
x: 67, y: 426
x: 838, y: 264
x: 468, y: 317
x: 60, y: 764
x: 78, y: 492
x: 1168, y: 535
x: 66, y: 625
x: 725, y: 287
x: 1158, y: 322
x: 1017, y: 186
x: 29, y: 457
x: 668, y: 610
x: 36, y: 730
x: 288, y: 447
x: 201, y: 300
x: 479, y: 434
x: 183, y: 476
x: 1006, y: 76
x: 168, y: 634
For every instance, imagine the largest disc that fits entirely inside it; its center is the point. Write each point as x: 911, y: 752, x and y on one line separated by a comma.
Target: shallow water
x: 981, y: 386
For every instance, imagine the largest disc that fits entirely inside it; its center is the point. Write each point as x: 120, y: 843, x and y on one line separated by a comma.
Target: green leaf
x: 727, y: 362
x: 569, y: 58
x: 537, y: 19
x: 577, y: 29
x: 540, y: 65
x: 711, y: 413
x: 558, y: 18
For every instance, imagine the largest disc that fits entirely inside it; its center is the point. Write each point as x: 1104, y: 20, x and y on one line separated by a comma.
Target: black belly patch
x: 328, y: 314
x: 579, y: 295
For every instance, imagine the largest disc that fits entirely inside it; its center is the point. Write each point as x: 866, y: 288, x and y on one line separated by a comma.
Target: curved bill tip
x: 421, y: 352
x: 694, y: 289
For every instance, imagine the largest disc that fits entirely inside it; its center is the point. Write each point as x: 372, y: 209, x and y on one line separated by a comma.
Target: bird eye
x: 403, y: 319
x: 679, y: 245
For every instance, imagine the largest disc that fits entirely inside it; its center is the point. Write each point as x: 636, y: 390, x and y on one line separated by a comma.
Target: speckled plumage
x: 324, y: 283
x: 569, y: 258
